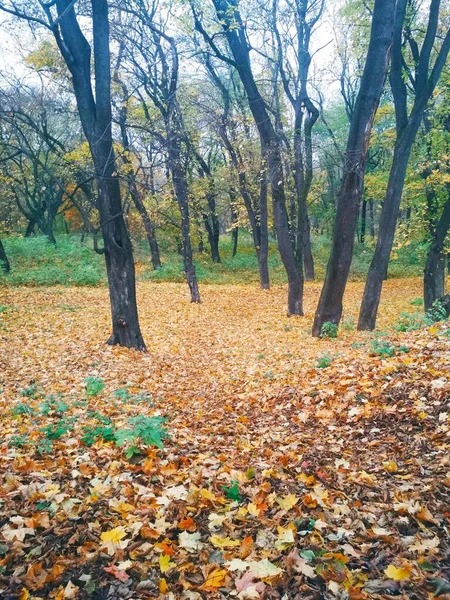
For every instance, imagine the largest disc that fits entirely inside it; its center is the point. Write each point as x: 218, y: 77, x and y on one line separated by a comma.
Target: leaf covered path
x: 296, y: 468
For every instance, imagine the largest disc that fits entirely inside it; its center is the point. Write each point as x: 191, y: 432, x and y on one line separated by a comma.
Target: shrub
x: 436, y: 313
x: 148, y: 431
x: 329, y: 330
x: 383, y: 347
x: 94, y: 386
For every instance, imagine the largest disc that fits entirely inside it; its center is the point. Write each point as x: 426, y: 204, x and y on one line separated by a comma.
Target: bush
x: 329, y: 330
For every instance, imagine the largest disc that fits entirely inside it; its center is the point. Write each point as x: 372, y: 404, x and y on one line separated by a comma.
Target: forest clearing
x: 293, y: 467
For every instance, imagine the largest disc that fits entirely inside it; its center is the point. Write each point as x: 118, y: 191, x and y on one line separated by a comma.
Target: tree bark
x: 407, y: 128
x: 182, y: 196
x: 228, y: 14
x: 263, y: 251
x: 362, y: 236
x: 434, y: 272
x: 4, y: 262
x: 96, y: 118
x: 30, y: 228
x: 307, y: 252
x: 374, y: 75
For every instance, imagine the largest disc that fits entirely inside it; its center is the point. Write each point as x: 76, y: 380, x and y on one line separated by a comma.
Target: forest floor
x: 295, y: 467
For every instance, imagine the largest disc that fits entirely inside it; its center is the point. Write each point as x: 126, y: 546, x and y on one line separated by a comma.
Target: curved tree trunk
x: 375, y: 70
x: 4, y: 262
x: 228, y: 14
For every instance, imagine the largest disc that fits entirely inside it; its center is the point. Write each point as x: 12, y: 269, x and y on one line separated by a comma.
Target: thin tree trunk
x: 434, y: 272
x: 372, y: 219
x: 228, y: 14
x: 263, y: 253
x: 307, y: 252
x: 362, y: 237
x: 234, y: 221
x: 388, y: 221
x: 4, y: 262
x: 181, y: 194
x: 375, y: 70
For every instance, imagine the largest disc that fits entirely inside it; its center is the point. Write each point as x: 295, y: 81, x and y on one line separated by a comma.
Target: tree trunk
x: 228, y: 14
x: 30, y: 228
x: 96, y: 118
x: 307, y: 252
x: 181, y: 194
x: 4, y: 262
x: 388, y: 220
x: 234, y: 239
x: 362, y: 237
x: 434, y: 272
x: 372, y: 219
x: 377, y: 62
x: 263, y: 253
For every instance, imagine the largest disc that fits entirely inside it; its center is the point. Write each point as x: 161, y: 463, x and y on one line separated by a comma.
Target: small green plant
x: 32, y: 391
x: 22, y: 409
x: 232, y: 491
x: 148, y: 431
x: 44, y: 446
x: 410, y: 322
x: 18, y: 441
x: 94, y: 386
x: 383, y: 348
x: 53, y: 404
x: 288, y: 327
x: 417, y: 302
x: 57, y: 429
x: 447, y: 333
x: 324, y: 361
x: 94, y: 434
x: 3, y: 308
x: 329, y: 330
x: 436, y: 313
x: 348, y: 324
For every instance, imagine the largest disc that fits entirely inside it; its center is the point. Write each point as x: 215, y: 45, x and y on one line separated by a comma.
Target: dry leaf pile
x: 295, y: 468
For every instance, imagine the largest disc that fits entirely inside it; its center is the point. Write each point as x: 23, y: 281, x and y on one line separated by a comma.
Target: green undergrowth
x: 35, y: 262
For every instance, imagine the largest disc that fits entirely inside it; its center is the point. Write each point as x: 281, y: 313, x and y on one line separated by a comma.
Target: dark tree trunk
x: 228, y: 14
x: 234, y: 221
x: 362, y: 237
x: 4, y: 262
x: 30, y: 228
x: 377, y: 62
x: 182, y: 196
x: 96, y: 117
x: 434, y: 272
x: 307, y: 253
x: 234, y: 240
x: 407, y: 128
x: 263, y: 252
x: 372, y: 219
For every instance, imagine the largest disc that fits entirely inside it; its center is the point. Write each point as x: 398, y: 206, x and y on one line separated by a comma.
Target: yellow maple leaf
x: 215, y: 579
x: 253, y: 509
x: 219, y: 542
x: 113, y: 535
x: 287, y: 502
x: 397, y: 573
x: 165, y: 564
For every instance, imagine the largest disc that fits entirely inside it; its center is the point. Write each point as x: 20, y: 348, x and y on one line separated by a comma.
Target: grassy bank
x: 35, y: 262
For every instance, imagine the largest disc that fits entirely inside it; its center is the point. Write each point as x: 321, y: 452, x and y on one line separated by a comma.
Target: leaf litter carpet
x: 295, y: 468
